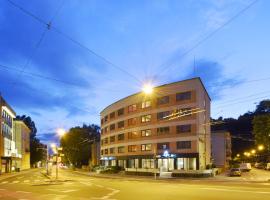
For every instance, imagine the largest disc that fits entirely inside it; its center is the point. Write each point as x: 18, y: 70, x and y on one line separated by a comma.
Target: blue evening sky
x: 148, y: 39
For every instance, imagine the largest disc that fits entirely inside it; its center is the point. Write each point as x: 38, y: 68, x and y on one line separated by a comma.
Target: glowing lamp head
x: 260, y: 147
x: 61, y: 132
x: 253, y: 151
x: 147, y: 89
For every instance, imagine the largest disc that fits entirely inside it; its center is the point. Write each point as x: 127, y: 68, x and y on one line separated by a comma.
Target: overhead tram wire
x: 210, y: 35
x: 39, y: 41
x: 5, y: 67
x: 52, y: 27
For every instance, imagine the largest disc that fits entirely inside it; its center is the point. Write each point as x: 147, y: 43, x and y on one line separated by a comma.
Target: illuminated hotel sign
x: 166, y: 154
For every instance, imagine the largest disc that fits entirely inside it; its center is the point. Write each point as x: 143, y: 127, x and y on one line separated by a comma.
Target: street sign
x: 60, y: 148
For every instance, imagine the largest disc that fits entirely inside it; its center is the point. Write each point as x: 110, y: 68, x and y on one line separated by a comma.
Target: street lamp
x: 147, y: 88
x: 60, y: 132
x: 260, y: 147
x: 253, y: 151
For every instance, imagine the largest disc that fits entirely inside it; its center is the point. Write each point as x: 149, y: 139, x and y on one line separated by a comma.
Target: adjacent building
x: 221, y: 148
x: 168, y: 128
x: 22, y: 142
x: 14, y: 140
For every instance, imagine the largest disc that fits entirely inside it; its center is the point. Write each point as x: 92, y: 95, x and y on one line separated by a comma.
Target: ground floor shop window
x: 113, y: 162
x: 186, y: 163
x: 166, y: 164
x: 122, y: 163
x: 148, y: 163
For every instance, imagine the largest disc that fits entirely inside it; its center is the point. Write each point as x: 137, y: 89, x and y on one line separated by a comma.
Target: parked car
x: 260, y: 165
x: 267, y: 167
x: 245, y: 167
x: 235, y: 172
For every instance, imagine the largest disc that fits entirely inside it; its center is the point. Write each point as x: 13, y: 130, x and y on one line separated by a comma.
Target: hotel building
x: 167, y: 129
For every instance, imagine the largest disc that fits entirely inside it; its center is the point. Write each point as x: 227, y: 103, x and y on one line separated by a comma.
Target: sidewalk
x: 218, y: 178
x: 12, y: 174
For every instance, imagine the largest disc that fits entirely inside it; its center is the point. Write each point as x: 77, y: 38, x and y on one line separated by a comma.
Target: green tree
x: 261, y: 129
x: 77, y: 144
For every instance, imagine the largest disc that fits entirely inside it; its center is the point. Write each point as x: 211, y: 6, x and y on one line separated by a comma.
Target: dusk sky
x: 153, y: 41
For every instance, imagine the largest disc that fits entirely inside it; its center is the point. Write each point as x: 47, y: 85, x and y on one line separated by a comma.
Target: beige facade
x: 169, y: 126
x: 221, y: 148
x: 22, y: 141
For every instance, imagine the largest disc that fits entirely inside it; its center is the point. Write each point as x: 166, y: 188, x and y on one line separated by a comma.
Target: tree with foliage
x: 36, y: 147
x: 241, y: 129
x: 261, y: 130
x: 77, y: 143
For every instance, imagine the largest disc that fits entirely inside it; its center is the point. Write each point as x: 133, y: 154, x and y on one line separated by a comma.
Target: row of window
x: 147, y: 147
x: 7, y: 118
x: 186, y: 128
x: 146, y: 104
x: 147, y: 118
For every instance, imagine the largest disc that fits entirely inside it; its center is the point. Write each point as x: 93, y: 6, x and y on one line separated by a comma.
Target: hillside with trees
x: 248, y: 129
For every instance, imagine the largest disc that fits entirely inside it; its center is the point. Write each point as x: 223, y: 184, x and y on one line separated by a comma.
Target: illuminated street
x: 33, y: 185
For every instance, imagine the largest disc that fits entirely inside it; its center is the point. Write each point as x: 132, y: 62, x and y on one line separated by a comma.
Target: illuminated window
x: 146, y: 104
x: 146, y: 147
x: 132, y: 135
x: 146, y: 133
x: 146, y: 118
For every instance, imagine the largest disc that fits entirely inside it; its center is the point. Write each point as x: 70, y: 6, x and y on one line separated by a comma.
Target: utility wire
x: 5, y: 67
x: 50, y: 26
x: 210, y: 35
x: 39, y: 41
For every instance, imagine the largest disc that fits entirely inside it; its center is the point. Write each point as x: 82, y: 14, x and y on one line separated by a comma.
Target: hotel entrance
x: 166, y: 164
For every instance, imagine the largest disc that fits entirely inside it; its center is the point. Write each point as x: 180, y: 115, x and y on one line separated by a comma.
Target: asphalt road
x: 35, y: 186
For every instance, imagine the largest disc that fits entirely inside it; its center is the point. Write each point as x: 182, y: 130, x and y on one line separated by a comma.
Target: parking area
x: 253, y: 175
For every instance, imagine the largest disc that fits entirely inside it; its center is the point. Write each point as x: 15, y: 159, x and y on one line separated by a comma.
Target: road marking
x: 107, y: 197
x: 2, y: 189
x: 4, y: 182
x: 23, y: 192
x: 26, y: 181
x: 15, y: 182
x: 230, y: 190
x: 88, y: 184
x: 63, y: 191
x: 36, y: 180
x: 100, y: 186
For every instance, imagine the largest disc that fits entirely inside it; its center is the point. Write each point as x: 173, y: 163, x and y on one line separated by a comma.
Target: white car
x: 267, y: 167
x: 245, y: 167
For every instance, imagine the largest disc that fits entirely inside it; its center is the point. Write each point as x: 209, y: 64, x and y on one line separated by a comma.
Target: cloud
x: 212, y: 74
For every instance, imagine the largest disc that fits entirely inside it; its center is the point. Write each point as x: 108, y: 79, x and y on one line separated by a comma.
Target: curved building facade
x: 168, y: 128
